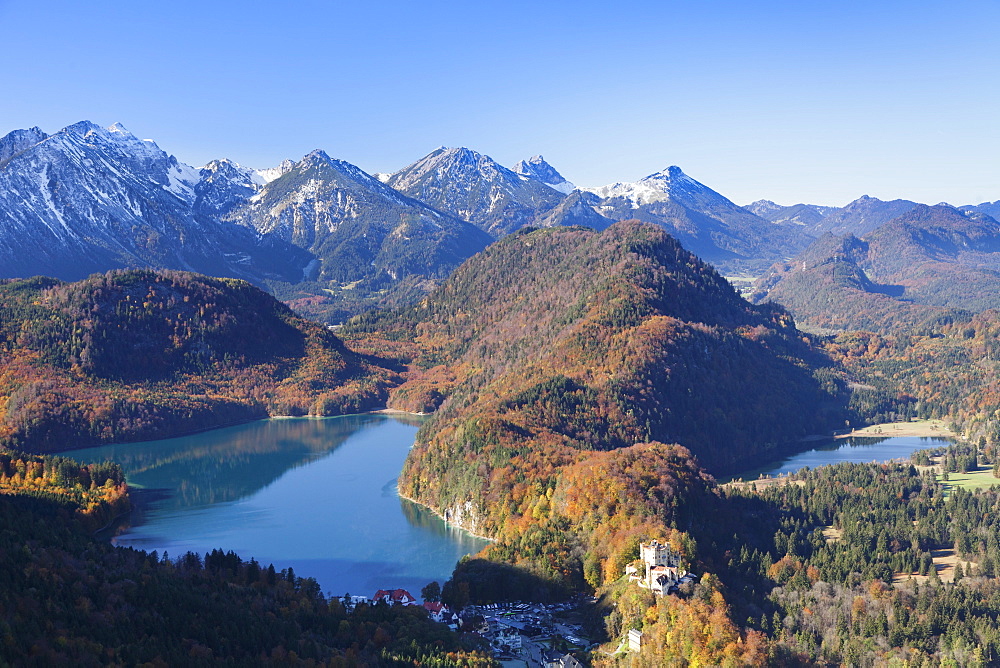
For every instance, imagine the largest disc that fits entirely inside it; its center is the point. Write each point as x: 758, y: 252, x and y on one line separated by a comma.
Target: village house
x: 440, y: 612
x: 661, y: 569
x: 394, y: 597
x: 507, y: 637
x: 554, y: 659
x: 351, y: 602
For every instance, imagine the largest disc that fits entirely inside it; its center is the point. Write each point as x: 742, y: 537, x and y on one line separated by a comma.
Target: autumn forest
x: 585, y: 390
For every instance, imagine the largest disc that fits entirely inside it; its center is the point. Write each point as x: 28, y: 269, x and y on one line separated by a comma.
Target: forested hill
x: 69, y: 599
x: 140, y: 354
x: 933, y: 264
x: 566, y: 339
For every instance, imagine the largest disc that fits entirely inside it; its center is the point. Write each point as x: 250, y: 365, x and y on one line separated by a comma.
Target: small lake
x: 315, y: 494
x: 854, y: 449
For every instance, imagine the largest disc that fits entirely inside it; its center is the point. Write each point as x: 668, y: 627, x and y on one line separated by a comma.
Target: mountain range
x: 89, y: 199
x: 333, y: 240
x: 927, y: 264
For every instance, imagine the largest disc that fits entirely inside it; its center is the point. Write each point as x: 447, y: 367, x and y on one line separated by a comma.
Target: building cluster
x: 660, y: 570
x: 438, y: 611
x: 527, y: 630
x: 511, y: 629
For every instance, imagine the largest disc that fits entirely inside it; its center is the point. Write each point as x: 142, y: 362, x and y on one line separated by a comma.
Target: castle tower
x: 662, y: 566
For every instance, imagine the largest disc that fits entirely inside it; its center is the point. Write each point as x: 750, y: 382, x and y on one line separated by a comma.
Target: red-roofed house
x: 439, y: 612
x: 394, y: 597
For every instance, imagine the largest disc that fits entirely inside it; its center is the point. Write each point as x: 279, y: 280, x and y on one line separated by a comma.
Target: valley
x: 253, y: 489
x: 335, y: 241
x: 587, y: 375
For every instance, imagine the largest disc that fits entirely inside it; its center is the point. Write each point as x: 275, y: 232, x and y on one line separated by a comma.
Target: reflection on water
x: 424, y: 518
x: 854, y: 449
x: 315, y: 494
x: 227, y: 464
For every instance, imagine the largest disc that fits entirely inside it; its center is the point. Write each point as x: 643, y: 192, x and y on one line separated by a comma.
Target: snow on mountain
x: 705, y: 222
x: 666, y: 185
x: 89, y: 198
x: 224, y: 185
x: 358, y: 226
x: 476, y: 188
x: 271, y: 173
x: 19, y: 140
x: 536, y: 168
x: 763, y: 207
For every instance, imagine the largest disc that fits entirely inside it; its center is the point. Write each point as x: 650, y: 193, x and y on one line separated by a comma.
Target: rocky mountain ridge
x: 931, y: 262
x: 88, y: 199
x: 335, y: 240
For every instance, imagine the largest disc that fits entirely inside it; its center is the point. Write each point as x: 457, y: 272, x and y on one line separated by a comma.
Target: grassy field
x: 981, y: 478
x: 944, y: 564
x: 914, y: 428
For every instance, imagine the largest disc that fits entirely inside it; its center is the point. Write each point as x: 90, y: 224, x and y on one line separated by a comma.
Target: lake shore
x: 442, y: 518
x: 244, y: 489
x: 887, y: 437
x: 396, y: 411
x: 919, y: 428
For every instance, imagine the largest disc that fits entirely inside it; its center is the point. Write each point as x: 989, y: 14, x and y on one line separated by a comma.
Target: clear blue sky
x: 791, y: 101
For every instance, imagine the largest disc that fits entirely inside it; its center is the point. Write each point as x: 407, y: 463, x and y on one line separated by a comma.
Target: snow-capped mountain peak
x: 763, y: 207
x: 124, y: 152
x: 91, y: 198
x: 536, y: 168
x: 271, y: 173
x: 356, y: 224
x: 19, y: 140
x: 82, y: 128
x: 666, y: 185
x: 475, y: 188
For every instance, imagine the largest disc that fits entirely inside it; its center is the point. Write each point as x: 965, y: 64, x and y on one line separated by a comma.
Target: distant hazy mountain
x: 861, y: 216
x: 536, y: 168
x: 357, y: 226
x: 89, y: 199
x: 763, y: 208
x: 807, y: 215
x: 322, y: 231
x: 989, y: 208
x: 477, y: 189
x: 930, y: 262
x: 706, y: 223
x: 578, y: 208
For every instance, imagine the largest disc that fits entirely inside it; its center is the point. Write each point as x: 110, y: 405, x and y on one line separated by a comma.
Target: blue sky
x: 790, y: 101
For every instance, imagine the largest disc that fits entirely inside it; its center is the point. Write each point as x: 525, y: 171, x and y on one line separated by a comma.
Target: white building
x: 507, y: 636
x: 440, y: 612
x: 554, y: 659
x: 661, y: 569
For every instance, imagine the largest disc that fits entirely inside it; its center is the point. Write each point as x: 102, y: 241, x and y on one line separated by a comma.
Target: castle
x: 661, y: 565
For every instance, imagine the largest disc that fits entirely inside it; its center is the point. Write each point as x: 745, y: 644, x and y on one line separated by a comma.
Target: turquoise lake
x: 316, y: 495
x: 854, y: 449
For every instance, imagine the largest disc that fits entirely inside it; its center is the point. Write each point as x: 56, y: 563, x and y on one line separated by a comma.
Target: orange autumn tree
x: 549, y: 356
x: 139, y: 354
